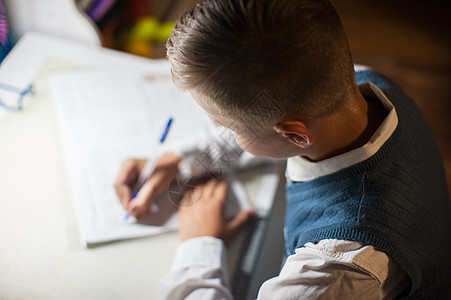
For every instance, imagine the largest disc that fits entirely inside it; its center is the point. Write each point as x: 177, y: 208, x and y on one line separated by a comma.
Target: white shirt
x: 329, y: 269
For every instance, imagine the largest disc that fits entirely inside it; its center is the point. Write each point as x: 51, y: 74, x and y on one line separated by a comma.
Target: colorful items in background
x: 97, y: 9
x: 132, y: 26
x: 6, y: 38
x: 146, y: 34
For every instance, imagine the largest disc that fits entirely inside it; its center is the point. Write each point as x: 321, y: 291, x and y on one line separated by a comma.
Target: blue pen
x: 150, y: 165
x: 152, y: 162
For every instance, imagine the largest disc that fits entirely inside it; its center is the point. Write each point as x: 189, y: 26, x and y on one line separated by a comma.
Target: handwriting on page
x: 105, y: 116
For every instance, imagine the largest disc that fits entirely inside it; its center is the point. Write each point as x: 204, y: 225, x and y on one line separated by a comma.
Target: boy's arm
x: 332, y: 269
x: 199, y: 269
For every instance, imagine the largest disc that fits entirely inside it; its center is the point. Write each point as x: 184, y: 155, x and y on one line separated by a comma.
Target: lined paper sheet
x: 105, y: 116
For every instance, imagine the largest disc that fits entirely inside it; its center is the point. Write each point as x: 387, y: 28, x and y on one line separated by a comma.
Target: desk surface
x: 41, y: 256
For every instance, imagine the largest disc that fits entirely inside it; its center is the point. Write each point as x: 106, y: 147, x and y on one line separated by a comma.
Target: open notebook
x: 107, y: 115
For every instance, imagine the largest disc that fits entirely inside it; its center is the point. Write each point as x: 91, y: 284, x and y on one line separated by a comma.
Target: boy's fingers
x: 124, y: 194
x: 209, y: 188
x: 190, y: 198
x: 220, y: 191
x: 126, y: 180
x: 238, y: 222
x: 164, y: 172
x: 140, y: 205
x: 129, y: 171
x: 139, y: 209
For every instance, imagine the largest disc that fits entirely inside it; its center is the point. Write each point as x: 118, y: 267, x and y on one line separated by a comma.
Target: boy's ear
x: 296, y: 132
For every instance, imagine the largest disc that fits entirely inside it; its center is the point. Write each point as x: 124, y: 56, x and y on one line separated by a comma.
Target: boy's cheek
x: 267, y: 147
x: 247, y: 143
x: 258, y: 146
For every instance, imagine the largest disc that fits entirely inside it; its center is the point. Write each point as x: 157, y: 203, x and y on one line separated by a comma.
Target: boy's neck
x: 347, y: 130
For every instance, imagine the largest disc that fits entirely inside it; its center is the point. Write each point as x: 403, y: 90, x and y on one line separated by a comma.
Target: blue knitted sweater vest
x: 397, y: 200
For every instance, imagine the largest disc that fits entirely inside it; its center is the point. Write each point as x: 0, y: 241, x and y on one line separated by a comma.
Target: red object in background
x: 138, y: 9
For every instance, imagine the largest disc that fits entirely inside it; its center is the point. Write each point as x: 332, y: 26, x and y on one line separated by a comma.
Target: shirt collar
x: 302, y: 169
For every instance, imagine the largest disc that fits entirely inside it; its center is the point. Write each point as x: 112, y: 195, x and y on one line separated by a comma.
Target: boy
x: 368, y: 211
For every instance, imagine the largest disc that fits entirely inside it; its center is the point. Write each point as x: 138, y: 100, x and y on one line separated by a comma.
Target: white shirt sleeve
x: 336, y: 269
x: 198, y: 271
x: 330, y: 269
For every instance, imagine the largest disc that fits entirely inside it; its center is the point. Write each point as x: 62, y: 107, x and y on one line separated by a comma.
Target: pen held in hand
x: 150, y: 166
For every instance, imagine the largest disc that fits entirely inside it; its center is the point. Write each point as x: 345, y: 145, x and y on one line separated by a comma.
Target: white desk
x: 41, y: 256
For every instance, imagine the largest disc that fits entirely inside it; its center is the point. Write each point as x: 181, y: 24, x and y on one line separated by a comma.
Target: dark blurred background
x: 409, y: 41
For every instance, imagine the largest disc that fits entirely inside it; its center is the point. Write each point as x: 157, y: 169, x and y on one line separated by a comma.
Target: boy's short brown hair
x: 295, y: 51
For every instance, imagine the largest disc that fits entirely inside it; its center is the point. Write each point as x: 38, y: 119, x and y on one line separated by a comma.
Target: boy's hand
x: 201, y: 213
x: 127, y: 178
